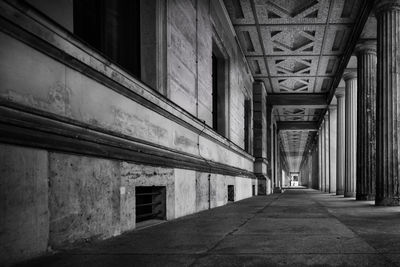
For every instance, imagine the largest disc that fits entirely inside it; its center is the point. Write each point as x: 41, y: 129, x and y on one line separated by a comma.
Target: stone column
x: 260, y: 138
x: 340, y: 141
x: 320, y: 159
x: 309, y: 166
x: 388, y: 103
x: 270, y: 143
x: 351, y: 134
x: 366, y: 119
x: 327, y: 153
x: 323, y: 154
x: 276, y: 159
x: 332, y: 147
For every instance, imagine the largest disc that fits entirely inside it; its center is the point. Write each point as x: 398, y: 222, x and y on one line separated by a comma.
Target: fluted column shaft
x: 340, y: 142
x: 320, y: 159
x: 388, y: 103
x: 366, y: 119
x: 332, y: 148
x: 327, y: 154
x: 322, y: 156
x: 351, y: 134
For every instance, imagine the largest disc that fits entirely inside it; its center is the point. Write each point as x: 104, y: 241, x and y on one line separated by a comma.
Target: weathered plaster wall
x: 32, y: 79
x: 56, y: 199
x: 190, y: 83
x: 240, y: 79
x: 315, y: 169
x: 243, y: 188
x: 203, y: 182
x: 84, y: 199
x: 133, y: 175
x: 185, y: 192
x: 221, y: 196
x: 24, y: 215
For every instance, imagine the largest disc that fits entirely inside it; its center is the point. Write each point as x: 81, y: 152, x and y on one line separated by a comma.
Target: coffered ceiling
x: 295, y: 47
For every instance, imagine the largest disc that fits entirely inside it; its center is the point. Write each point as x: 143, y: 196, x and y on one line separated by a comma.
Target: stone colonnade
x: 367, y: 123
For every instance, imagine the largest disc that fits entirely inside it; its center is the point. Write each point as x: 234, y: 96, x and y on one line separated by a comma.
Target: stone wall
x: 189, y: 62
x: 79, y: 133
x: 57, y: 200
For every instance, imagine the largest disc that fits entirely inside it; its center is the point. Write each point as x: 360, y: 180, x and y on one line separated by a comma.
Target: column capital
x: 340, y: 92
x: 386, y: 5
x: 350, y: 75
x: 332, y: 107
x: 366, y: 47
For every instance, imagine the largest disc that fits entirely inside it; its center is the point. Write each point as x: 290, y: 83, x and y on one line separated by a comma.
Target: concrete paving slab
x: 293, y: 226
x: 292, y: 244
x: 296, y: 228
x: 298, y: 260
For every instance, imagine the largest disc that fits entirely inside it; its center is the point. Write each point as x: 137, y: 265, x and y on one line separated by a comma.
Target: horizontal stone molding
x: 55, y: 42
x: 20, y: 125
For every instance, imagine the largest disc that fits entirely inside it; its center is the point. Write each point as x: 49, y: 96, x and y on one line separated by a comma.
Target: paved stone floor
x: 296, y: 228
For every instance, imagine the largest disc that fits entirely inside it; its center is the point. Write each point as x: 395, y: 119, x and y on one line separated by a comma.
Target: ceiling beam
x: 298, y: 100
x: 297, y: 125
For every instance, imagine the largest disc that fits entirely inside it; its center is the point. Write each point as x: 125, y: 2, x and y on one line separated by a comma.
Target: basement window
x: 150, y: 203
x: 219, y: 90
x: 231, y: 193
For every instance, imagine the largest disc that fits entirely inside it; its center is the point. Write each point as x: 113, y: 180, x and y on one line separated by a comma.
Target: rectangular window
x: 113, y: 28
x: 231, y: 193
x: 219, y: 90
x: 131, y: 34
x: 215, y: 92
x: 150, y: 203
x: 247, y: 126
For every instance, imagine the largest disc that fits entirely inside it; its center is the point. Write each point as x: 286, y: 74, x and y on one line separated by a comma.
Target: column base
x: 349, y: 194
x: 339, y: 192
x: 262, y: 184
x: 365, y: 197
x: 278, y: 190
x: 392, y: 201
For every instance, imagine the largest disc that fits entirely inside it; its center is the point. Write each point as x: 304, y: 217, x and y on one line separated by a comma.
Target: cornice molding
x: 24, y: 126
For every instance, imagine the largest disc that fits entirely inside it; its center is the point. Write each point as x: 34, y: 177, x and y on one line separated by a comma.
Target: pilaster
x: 260, y: 138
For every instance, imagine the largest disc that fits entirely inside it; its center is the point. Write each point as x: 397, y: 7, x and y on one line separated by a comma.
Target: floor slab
x: 300, y: 227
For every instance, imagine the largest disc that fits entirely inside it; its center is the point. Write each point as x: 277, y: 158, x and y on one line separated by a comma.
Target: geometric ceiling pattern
x: 294, y: 47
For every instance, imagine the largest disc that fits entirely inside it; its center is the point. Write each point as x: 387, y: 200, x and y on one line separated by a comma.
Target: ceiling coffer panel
x: 295, y: 47
x: 292, y: 40
x: 291, y: 11
x: 336, y: 39
x: 257, y: 66
x: 240, y: 11
x: 293, y: 84
x: 249, y: 41
x: 293, y: 66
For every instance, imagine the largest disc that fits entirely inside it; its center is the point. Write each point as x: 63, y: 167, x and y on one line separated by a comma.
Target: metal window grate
x: 150, y: 203
x: 231, y: 193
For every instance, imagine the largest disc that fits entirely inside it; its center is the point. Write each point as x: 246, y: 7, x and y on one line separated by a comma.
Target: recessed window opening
x: 125, y: 32
x: 247, y: 126
x: 111, y: 27
x: 219, y: 90
x: 231, y: 193
x: 150, y: 203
